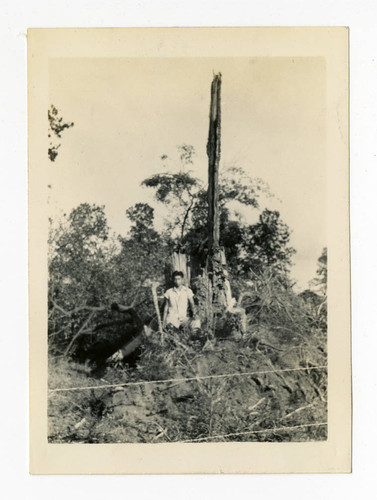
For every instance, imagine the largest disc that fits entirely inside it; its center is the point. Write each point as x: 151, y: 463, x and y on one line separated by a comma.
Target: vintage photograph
x: 187, y: 266
x: 189, y: 286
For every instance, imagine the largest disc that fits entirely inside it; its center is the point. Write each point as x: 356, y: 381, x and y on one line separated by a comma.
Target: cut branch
x: 78, y: 309
x: 77, y: 335
x: 155, y: 302
x: 184, y: 222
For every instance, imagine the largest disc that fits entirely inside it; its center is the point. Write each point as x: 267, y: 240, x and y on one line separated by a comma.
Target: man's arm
x: 165, y: 312
x: 192, y: 306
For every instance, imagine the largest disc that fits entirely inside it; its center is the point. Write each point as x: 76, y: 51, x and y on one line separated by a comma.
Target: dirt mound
x: 267, y: 386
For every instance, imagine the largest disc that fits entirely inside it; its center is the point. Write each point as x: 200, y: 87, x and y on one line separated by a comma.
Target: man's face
x: 178, y: 280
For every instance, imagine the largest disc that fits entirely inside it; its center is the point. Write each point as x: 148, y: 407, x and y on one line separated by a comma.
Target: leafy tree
x: 248, y: 247
x: 56, y: 127
x: 179, y: 191
x: 315, y: 297
x: 79, y: 256
x: 265, y: 244
x: 142, y: 215
x: 320, y: 281
x: 143, y: 252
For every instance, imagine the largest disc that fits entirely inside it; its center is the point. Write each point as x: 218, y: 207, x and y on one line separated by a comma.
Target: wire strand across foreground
x: 188, y: 379
x: 261, y: 431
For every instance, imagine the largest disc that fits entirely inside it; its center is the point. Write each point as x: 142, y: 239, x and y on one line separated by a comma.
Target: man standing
x: 177, y: 301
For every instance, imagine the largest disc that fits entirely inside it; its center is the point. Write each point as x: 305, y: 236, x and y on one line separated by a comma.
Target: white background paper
x: 15, y: 18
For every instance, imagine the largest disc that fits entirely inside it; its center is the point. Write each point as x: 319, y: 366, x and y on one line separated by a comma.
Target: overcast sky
x: 129, y: 112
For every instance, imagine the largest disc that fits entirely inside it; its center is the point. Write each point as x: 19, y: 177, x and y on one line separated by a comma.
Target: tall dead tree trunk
x: 215, y: 259
x: 214, y: 153
x: 219, y: 299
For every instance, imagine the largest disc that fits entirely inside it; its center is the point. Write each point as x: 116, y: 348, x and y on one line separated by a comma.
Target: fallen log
x: 122, y: 337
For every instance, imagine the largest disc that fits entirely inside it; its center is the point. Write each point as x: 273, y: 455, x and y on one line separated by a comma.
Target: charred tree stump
x: 178, y: 262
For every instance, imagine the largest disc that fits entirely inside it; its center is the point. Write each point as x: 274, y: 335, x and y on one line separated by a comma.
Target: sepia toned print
x: 187, y: 214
